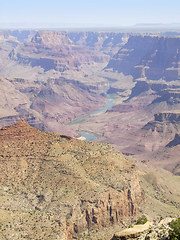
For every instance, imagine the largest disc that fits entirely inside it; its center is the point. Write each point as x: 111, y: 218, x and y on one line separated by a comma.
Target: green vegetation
x: 142, y: 220
x: 131, y: 226
x: 174, y: 232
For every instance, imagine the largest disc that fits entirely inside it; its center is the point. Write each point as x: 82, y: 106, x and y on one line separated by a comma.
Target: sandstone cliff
x: 49, y: 50
x: 166, y: 94
x: 165, y: 126
x: 153, y: 57
x: 107, y: 42
x: 55, y: 50
x: 60, y: 187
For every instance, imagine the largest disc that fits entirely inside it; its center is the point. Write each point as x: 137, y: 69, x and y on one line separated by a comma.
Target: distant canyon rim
x: 50, y: 78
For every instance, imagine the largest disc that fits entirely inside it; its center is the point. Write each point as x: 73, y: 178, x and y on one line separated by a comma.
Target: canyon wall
x: 153, y: 57
x: 56, y: 51
x: 107, y: 42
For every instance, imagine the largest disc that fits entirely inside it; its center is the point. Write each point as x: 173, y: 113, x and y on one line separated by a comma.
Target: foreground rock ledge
x: 60, y: 187
x: 132, y: 233
x: 148, y: 231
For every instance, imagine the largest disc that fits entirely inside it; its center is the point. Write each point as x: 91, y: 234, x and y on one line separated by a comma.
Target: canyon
x: 84, y: 190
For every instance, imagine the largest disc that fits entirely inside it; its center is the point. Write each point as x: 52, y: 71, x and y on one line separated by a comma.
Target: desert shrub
x: 131, y: 226
x: 142, y: 220
x: 174, y: 232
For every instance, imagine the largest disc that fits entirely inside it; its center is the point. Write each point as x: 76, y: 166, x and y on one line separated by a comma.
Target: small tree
x: 142, y: 220
x: 174, y: 232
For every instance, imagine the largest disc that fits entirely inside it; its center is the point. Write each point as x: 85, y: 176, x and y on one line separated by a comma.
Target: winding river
x: 90, y: 136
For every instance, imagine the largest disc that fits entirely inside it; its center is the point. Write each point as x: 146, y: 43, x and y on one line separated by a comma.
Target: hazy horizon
x: 78, y: 13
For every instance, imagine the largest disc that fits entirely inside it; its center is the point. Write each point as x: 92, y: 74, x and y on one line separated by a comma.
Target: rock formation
x: 151, y: 57
x: 55, y: 50
x: 149, y: 231
x: 43, y: 81
x: 79, y: 185
x: 107, y: 42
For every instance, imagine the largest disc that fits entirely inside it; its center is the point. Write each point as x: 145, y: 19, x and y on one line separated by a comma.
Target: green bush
x: 131, y: 226
x: 142, y: 220
x: 174, y: 233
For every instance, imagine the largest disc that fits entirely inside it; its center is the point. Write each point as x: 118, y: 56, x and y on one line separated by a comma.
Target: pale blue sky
x: 105, y: 12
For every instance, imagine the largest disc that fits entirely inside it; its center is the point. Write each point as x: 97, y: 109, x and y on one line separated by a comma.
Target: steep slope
x: 54, y: 186
x: 153, y: 57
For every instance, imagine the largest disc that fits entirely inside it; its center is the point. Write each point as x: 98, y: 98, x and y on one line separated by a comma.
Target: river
x: 90, y: 136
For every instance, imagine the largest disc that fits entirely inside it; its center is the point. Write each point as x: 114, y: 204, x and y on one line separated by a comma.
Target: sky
x: 90, y: 12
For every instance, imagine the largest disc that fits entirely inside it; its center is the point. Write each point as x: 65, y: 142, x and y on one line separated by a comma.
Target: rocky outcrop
x: 167, y: 116
x: 107, y: 42
x: 148, y: 231
x: 80, y: 185
x: 170, y: 96
x: 158, y: 134
x: 149, y: 56
x: 169, y: 92
x: 51, y: 39
x: 175, y: 141
x: 170, y: 119
x: 132, y: 53
x: 132, y: 233
x: 47, y: 50
x: 55, y: 50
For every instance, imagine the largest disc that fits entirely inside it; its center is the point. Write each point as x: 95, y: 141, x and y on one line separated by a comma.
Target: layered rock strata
x: 153, y: 57
x: 107, y: 42
x: 55, y: 51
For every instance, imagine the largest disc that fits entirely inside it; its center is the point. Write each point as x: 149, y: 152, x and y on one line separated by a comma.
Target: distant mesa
x: 164, y: 118
x: 51, y: 39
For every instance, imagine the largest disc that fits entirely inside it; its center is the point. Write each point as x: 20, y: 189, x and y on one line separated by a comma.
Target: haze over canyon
x: 121, y: 87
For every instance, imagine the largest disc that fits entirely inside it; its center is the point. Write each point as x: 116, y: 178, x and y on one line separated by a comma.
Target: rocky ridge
x: 165, y: 126
x: 106, y: 42
x: 55, y: 50
x: 75, y: 185
x: 151, y: 57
